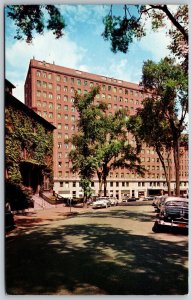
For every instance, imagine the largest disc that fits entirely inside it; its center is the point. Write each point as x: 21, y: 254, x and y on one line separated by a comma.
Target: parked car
x: 148, y: 198
x: 132, y: 199
x: 101, y: 202
x: 114, y: 201
x: 173, y: 213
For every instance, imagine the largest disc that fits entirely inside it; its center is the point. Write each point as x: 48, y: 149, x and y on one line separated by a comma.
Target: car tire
x: 156, y: 227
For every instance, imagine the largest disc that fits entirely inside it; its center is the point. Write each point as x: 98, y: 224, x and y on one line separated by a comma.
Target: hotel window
x: 73, y: 118
x: 50, y: 115
x: 109, y: 105
x: 66, y: 126
x: 38, y: 93
x: 148, y: 159
x: 50, y: 105
x: 72, y: 80
x: 85, y: 92
x: 66, y: 174
x: 44, y: 94
x: 59, y: 164
x: 115, y: 98
x: 78, y: 82
x: 66, y: 145
x: 66, y: 155
x: 59, y: 116
x: 114, y: 89
x: 59, y: 135
x: 153, y: 168
x: 131, y: 101
x: 58, y: 78
x: 103, y: 87
x: 49, y: 76
x: 38, y: 83
x: 39, y: 103
x: 79, y: 91
x: 98, y: 96
x: 115, y: 106
x: 65, y: 117
x: 72, y: 100
x: 50, y: 85
x: 109, y: 96
x: 59, y: 154
x: 59, y: 126
x: 44, y: 104
x: 61, y: 183
x: 73, y: 127
x: 58, y: 106
x: 65, y: 79
x: 58, y: 87
x: 50, y: 95
x: 72, y: 90
x: 111, y: 183
x: 109, y: 87
x: 44, y: 114
x: 153, y: 159
x: 103, y: 96
x: 91, y: 84
x: 44, y: 84
x: 137, y: 102
x: 120, y: 90
x: 38, y: 73
x: 67, y: 164
x: 131, y: 92
x: 65, y: 98
x: 85, y: 83
x: 44, y: 74
x: 58, y: 97
x: 66, y: 136
x: 59, y: 173
x: 59, y: 145
x: 120, y: 99
x: 125, y: 100
x: 65, y: 88
x: 72, y: 108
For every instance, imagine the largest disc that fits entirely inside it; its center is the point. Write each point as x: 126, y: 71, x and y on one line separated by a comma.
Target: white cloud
x: 63, y: 52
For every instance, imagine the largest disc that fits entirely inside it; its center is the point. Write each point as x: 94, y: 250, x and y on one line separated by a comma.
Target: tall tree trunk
x: 176, y: 150
x: 99, y: 175
x: 105, y: 174
x: 166, y: 173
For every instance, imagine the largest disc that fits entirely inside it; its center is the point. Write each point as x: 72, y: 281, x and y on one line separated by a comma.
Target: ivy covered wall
x: 27, y: 141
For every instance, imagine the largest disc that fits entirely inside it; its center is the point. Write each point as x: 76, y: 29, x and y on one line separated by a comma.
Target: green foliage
x: 23, y: 134
x: 122, y: 31
x: 101, y: 142
x: 30, y: 18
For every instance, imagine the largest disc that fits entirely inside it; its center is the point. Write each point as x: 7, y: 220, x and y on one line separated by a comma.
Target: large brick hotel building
x: 49, y: 90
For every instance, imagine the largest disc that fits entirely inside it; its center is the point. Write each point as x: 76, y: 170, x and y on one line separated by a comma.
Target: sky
x: 82, y: 47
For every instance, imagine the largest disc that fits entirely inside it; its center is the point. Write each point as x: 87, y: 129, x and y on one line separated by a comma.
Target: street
x: 109, y: 251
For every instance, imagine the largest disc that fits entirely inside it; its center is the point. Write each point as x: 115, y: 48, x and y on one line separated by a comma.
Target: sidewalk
x: 33, y: 217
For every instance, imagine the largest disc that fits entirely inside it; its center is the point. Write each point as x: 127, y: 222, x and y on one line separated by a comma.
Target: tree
x: 90, y: 126
x: 115, y: 151
x: 122, y: 31
x: 155, y: 133
x: 167, y: 85
x: 30, y: 18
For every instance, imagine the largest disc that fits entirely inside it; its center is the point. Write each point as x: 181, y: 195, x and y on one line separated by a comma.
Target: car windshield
x: 177, y: 203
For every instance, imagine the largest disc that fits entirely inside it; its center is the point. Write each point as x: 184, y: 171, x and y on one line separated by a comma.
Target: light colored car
x: 114, y: 201
x: 101, y: 202
x: 173, y: 213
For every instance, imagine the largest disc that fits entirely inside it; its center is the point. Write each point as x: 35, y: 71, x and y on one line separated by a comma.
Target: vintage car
x: 114, y: 201
x: 173, y: 213
x: 101, y: 202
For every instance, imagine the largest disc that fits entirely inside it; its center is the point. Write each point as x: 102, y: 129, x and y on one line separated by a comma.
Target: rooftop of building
x: 52, y: 67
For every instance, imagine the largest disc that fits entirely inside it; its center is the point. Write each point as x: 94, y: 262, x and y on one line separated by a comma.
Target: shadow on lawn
x: 94, y: 259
